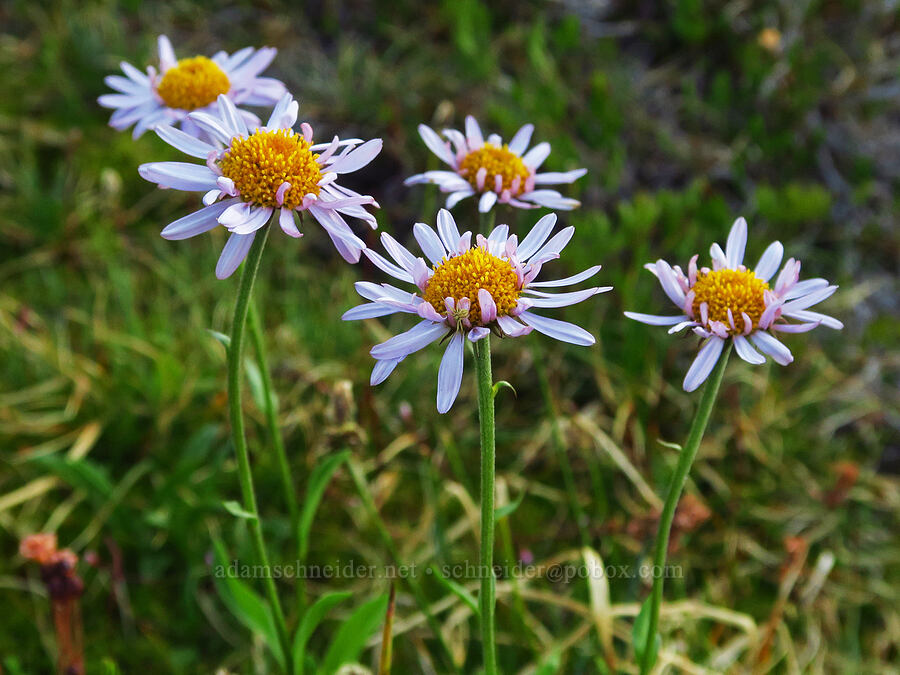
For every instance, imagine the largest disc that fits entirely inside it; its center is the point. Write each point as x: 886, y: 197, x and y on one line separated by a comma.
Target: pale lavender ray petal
x: 478, y: 333
x: 231, y: 117
x: 487, y: 201
x: 435, y: 144
x: 559, y: 330
x: 233, y: 254
x: 563, y: 299
x: 456, y: 197
x: 288, y: 224
x: 737, y: 242
x: 450, y: 373
x: 805, y: 288
x: 808, y: 300
x: 429, y: 242
x: 655, y: 319
x: 669, y: 283
x: 382, y: 370
x: 196, y: 223
x: 567, y: 281
x: 179, y: 175
x: 520, y: 141
x: 746, y: 351
x: 771, y: 346
x: 554, y: 247
x: 357, y: 158
x: 447, y: 229
x: 703, y: 364
x: 536, y: 237
x: 211, y: 125
x: 385, y: 266
x: 419, y: 336
x: 473, y: 133
x: 166, y: 53
x: 769, y: 261
x: 188, y: 144
x: 824, y: 319
x: 536, y: 156
x: 556, y: 177
x: 368, y: 310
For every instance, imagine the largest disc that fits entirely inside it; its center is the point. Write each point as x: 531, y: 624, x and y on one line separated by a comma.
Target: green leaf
x: 311, y: 619
x: 669, y: 444
x: 318, y: 481
x: 353, y: 634
x: 237, y: 510
x: 639, y: 635
x: 550, y: 664
x: 501, y: 385
x: 81, y: 474
x: 507, y: 509
x: 245, y: 604
x: 458, y: 590
x: 255, y: 382
x: 221, y: 337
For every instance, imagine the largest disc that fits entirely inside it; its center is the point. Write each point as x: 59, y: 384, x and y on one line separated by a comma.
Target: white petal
x: 385, y: 266
x: 284, y: 115
x: 808, y: 300
x: 737, y: 242
x: 487, y: 201
x: 450, y: 373
x: 478, y: 333
x: 769, y: 261
x: 551, y: 199
x: 357, y: 158
x: 562, y: 299
x: 368, y: 310
x: 746, y: 351
x: 454, y: 198
x: 520, y: 141
x: 188, y: 144
x: 559, y: 330
x: 567, y: 281
x: 211, y: 125
x: 554, y: 247
x: 231, y: 117
x: 704, y: 363
x: 669, y: 282
x: 417, y: 337
x: 435, y: 144
x: 429, y: 242
x: 536, y: 156
x: 823, y: 319
x: 473, y: 133
x: 166, y: 53
x: 805, y: 288
x: 196, y: 223
x: 447, y: 230
x: 771, y: 346
x: 556, y: 177
x: 287, y: 223
x: 656, y: 319
x: 179, y: 175
x: 536, y: 237
x: 382, y: 370
x: 233, y: 254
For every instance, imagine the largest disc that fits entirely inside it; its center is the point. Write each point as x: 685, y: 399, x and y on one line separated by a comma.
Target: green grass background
x: 684, y: 119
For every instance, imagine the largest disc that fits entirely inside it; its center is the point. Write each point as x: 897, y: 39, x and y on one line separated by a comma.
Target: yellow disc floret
x: 193, y: 83
x: 258, y: 164
x: 461, y: 276
x: 741, y: 291
x: 496, y: 161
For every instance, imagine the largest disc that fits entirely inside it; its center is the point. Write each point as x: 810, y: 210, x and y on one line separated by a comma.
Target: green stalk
x: 241, y: 307
x: 486, y: 221
x: 676, y: 485
x: 271, y: 412
x: 486, y: 562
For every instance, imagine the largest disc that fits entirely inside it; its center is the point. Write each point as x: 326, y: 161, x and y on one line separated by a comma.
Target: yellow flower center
x: 741, y: 291
x: 258, y: 164
x: 461, y: 276
x: 497, y: 162
x: 193, y: 83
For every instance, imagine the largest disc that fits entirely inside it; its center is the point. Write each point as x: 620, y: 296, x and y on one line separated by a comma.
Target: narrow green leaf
x: 318, y: 481
x: 669, y: 444
x: 311, y: 619
x: 351, y: 637
x: 509, y: 508
x: 237, y: 510
x: 457, y: 589
x: 221, y: 337
x: 245, y: 604
x: 503, y: 384
x: 639, y: 635
x: 81, y: 474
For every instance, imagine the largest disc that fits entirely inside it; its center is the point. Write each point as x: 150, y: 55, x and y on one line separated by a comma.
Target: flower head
x: 182, y: 86
x: 39, y: 547
x: 495, y: 170
x: 732, y: 302
x: 466, y: 291
x: 250, y: 175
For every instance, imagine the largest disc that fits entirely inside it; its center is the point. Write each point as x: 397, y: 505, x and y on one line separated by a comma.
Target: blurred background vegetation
x: 686, y: 112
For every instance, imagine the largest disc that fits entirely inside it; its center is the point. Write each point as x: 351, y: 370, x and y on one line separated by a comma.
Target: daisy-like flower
x: 467, y: 292
x: 499, y: 172
x: 732, y: 302
x: 182, y: 86
x: 250, y: 175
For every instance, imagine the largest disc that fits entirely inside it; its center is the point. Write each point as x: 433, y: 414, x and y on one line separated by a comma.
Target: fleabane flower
x: 732, y: 302
x: 466, y: 291
x: 180, y: 87
x: 250, y: 176
x: 499, y: 172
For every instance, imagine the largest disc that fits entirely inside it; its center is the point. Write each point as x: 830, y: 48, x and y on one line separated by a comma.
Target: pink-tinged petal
x: 556, y: 177
x: 512, y: 328
x: 233, y: 254
x: 795, y: 327
x: 559, y: 330
x: 382, y: 370
x: 227, y: 186
x: 478, y: 333
x: 748, y: 323
x: 692, y: 270
x: 688, y: 307
x: 166, y: 53
x: 788, y: 276
x: 231, y: 117
x: 426, y: 311
x: 417, y: 337
x: 357, y: 158
x: 655, y: 319
x: 719, y: 328
x: 520, y: 141
x: 456, y: 197
x: 746, y: 351
x: 703, y: 364
x: 474, y: 137
x: 287, y: 223
x: 823, y: 319
x: 669, y: 283
x: 737, y: 242
x: 769, y: 261
x: 536, y: 156
x: 704, y: 313
x: 480, y: 177
x: 281, y: 192
x: 808, y: 300
x: 487, y: 201
x: 331, y: 146
x: 771, y: 346
x: 179, y: 176
x: 805, y: 288
x: 447, y: 229
x: 450, y: 373
x: 429, y: 242
x: 195, y: 223
x: 719, y: 259
x: 464, y: 243
x: 421, y: 273
x: 385, y: 266
x: 459, y: 143
x: 536, y: 237
x: 435, y: 144
x: 369, y: 310
x: 487, y: 305
x: 307, y: 131
x: 184, y: 142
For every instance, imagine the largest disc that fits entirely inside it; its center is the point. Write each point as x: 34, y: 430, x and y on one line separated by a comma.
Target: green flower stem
x: 676, y: 485
x: 241, y: 307
x: 486, y: 563
x: 271, y: 412
x: 486, y: 221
